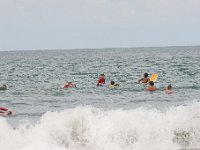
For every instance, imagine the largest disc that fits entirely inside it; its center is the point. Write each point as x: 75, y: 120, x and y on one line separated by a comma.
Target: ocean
x: 49, y: 117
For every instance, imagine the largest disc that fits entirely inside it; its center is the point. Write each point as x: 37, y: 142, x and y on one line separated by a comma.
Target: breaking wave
x: 89, y: 128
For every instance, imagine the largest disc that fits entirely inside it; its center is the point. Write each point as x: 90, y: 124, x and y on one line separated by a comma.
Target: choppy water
x: 99, y: 118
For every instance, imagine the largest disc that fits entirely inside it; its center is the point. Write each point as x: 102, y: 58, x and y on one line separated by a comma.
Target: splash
x: 89, y: 128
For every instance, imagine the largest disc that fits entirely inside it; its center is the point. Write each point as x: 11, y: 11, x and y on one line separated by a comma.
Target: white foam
x: 88, y: 128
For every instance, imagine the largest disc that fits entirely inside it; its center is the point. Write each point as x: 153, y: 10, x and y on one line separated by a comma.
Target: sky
x: 76, y: 24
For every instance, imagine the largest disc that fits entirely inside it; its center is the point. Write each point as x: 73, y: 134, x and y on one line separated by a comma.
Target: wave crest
x: 91, y: 128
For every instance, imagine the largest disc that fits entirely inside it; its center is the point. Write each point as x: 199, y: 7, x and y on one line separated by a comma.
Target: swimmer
x: 151, y: 87
x: 101, y: 80
x: 145, y: 79
x: 169, y: 89
x: 113, y: 85
x: 3, y: 87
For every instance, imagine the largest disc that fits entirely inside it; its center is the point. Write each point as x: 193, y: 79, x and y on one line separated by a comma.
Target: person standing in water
x: 102, y: 80
x: 151, y: 87
x: 145, y: 79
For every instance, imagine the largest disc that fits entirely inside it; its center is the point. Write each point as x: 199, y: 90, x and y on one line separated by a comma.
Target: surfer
x: 113, y: 85
x: 69, y: 85
x: 151, y: 87
x: 145, y: 79
x: 5, y: 111
x: 169, y: 89
x: 101, y: 80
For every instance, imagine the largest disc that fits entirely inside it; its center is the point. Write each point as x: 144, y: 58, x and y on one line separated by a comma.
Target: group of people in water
x: 102, y: 82
x: 113, y: 84
x: 152, y: 87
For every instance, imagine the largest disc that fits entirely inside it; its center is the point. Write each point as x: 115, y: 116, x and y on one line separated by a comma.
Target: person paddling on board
x: 151, y: 87
x: 169, y: 89
x: 145, y: 79
x: 101, y: 80
x: 5, y: 111
x: 69, y: 85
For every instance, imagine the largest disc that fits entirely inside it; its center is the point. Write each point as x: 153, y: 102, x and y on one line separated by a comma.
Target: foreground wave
x: 89, y: 128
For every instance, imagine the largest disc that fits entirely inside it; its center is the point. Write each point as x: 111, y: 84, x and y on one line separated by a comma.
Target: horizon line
x: 52, y: 49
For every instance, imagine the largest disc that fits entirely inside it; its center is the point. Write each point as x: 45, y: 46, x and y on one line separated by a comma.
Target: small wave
x: 21, y: 103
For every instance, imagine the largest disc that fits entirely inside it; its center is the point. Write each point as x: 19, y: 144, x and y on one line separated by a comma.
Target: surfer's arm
x: 140, y: 80
x: 3, y: 113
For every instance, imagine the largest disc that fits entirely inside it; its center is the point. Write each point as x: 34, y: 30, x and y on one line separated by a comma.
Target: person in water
x: 3, y: 87
x: 101, y: 80
x: 145, y: 79
x: 169, y: 89
x: 5, y: 111
x: 113, y: 85
x: 151, y: 87
x: 69, y: 85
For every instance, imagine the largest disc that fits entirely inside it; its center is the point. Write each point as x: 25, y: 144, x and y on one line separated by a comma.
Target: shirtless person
x: 145, y: 79
x: 169, y: 89
x: 151, y: 87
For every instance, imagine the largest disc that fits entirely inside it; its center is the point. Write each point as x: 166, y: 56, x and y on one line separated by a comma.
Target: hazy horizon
x: 103, y: 48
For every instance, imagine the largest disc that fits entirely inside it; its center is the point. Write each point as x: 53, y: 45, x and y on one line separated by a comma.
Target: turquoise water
x: 35, y: 80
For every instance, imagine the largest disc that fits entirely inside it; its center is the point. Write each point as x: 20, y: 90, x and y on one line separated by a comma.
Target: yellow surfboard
x: 154, y: 77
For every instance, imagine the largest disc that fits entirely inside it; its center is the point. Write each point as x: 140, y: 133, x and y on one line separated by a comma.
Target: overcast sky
x: 70, y: 24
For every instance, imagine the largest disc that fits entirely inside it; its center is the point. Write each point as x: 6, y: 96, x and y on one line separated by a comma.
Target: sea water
x: 49, y: 117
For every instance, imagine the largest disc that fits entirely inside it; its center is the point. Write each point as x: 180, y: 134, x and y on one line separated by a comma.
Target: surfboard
x: 154, y: 77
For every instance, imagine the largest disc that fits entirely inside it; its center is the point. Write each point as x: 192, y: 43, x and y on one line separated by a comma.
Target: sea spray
x: 91, y: 128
